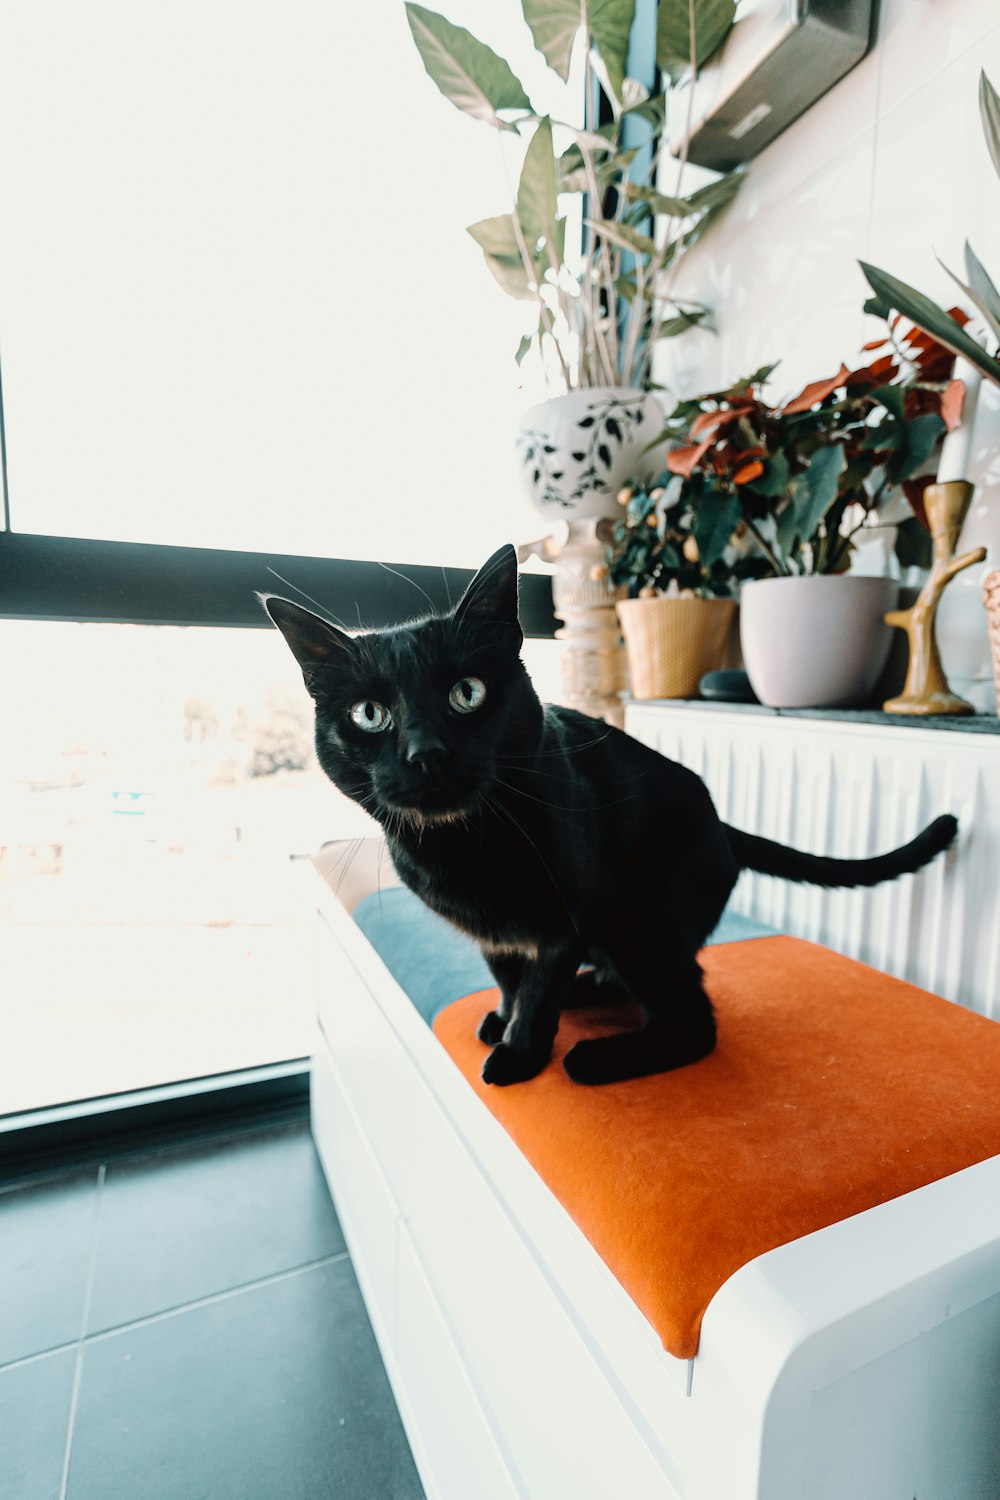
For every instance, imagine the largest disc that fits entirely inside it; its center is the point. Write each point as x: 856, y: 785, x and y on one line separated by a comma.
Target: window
x: 239, y: 308
x: 239, y: 312
x: 156, y: 787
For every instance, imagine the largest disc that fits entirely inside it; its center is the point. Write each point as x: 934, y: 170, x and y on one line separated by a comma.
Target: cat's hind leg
x: 679, y: 1029
x: 595, y: 987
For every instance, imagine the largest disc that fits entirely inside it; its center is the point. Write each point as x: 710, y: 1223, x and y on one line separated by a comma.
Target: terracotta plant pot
x: 578, y: 449
x: 672, y: 643
x: 816, y: 642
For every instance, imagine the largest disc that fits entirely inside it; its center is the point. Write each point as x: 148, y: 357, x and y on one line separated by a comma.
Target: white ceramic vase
x: 578, y: 449
x: 817, y: 642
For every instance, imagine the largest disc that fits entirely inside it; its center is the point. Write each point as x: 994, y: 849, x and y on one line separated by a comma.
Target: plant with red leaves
x: 792, y: 484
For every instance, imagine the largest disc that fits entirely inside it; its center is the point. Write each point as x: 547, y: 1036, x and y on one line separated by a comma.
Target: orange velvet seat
x: 833, y: 1088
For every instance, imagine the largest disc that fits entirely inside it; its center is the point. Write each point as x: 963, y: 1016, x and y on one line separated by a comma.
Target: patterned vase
x: 577, y: 450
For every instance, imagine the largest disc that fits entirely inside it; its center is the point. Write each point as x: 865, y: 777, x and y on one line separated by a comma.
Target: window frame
x: 142, y: 583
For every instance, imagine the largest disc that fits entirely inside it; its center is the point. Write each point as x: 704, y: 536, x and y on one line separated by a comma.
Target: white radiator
x: 851, y: 790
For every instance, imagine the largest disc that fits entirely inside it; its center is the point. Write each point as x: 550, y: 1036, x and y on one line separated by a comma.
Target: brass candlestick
x: 926, y: 690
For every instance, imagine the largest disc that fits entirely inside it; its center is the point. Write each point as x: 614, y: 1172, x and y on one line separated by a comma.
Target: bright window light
x: 238, y: 307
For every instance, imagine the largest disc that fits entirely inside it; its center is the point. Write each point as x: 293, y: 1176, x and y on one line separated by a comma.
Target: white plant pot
x: 578, y: 449
x: 816, y: 642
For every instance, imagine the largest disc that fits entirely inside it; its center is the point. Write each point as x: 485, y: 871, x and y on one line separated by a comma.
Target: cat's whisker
x: 546, y: 754
x: 509, y: 763
x: 557, y: 807
x: 328, y: 612
x: 355, y: 850
x: 409, y: 580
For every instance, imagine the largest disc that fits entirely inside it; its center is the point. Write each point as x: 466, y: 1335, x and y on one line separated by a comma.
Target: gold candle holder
x: 926, y: 690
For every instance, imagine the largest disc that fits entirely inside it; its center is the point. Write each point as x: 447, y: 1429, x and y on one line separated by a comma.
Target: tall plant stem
x: 660, y: 317
x: 769, y: 553
x: 609, y: 345
x: 597, y: 246
x: 633, y: 324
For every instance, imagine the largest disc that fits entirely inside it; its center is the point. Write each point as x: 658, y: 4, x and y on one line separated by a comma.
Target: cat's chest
x: 503, y: 909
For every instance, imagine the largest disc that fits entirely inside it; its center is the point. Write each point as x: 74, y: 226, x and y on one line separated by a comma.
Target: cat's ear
x: 312, y: 641
x: 491, y: 598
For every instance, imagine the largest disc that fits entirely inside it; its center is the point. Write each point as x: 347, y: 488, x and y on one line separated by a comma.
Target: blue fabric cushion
x: 436, y: 964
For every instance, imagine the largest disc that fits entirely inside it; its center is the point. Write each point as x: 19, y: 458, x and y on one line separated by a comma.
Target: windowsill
x: 965, y: 724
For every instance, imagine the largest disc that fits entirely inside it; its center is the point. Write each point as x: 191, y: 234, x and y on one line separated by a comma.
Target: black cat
x: 553, y: 839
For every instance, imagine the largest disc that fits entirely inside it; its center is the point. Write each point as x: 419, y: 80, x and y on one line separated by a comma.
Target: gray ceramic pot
x: 816, y: 642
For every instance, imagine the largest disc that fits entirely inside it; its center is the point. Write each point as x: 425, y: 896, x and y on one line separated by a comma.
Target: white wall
x: 890, y: 167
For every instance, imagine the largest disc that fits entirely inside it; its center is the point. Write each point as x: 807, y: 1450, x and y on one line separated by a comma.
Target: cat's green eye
x: 371, y: 717
x: 467, y: 695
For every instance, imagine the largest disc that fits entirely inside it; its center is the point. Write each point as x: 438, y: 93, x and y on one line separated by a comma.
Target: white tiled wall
x: 890, y: 166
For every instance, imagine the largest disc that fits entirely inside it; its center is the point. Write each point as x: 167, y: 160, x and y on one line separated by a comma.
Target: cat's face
x: 415, y: 723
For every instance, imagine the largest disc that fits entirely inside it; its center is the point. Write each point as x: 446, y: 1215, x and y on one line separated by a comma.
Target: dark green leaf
x: 653, y: 110
x: 523, y: 347
x: 877, y: 308
x: 891, y: 397
x: 759, y: 377
x: 720, y: 192
x: 683, y: 321
x: 931, y: 318
x: 885, y: 434
x: 677, y: 208
x: 752, y: 567
x: 774, y: 480
x: 921, y: 437
x: 814, y: 492
x: 466, y: 71
x: 717, y: 517
x: 712, y: 22
x: 914, y: 548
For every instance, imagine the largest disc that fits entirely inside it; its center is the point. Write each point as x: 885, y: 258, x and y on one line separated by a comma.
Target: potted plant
x: 796, y: 487
x: 602, y: 306
x: 679, y: 613
x: 890, y: 292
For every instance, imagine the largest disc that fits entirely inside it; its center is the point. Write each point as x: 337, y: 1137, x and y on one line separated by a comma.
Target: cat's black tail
x: 768, y: 858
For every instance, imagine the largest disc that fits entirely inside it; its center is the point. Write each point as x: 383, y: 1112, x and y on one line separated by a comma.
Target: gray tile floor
x: 186, y: 1325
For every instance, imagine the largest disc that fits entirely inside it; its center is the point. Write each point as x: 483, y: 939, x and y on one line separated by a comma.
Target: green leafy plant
x: 890, y: 292
x: 654, y: 548
x: 784, y: 489
x: 601, y: 312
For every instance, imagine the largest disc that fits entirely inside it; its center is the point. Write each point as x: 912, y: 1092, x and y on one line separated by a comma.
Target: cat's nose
x: 424, y: 750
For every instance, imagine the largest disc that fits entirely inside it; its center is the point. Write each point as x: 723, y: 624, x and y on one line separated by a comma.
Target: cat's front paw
x: 492, y: 1028
x: 504, y: 1066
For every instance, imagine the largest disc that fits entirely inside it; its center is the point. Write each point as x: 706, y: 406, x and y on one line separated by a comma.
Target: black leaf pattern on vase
x: 610, y: 422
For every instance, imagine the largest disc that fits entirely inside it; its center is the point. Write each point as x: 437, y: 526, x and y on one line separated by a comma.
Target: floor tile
x: 34, y: 1416
x: 46, y: 1235
x: 189, y: 1223
x: 275, y: 1393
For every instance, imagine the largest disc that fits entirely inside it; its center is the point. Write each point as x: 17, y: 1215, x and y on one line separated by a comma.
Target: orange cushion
x: 833, y: 1088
